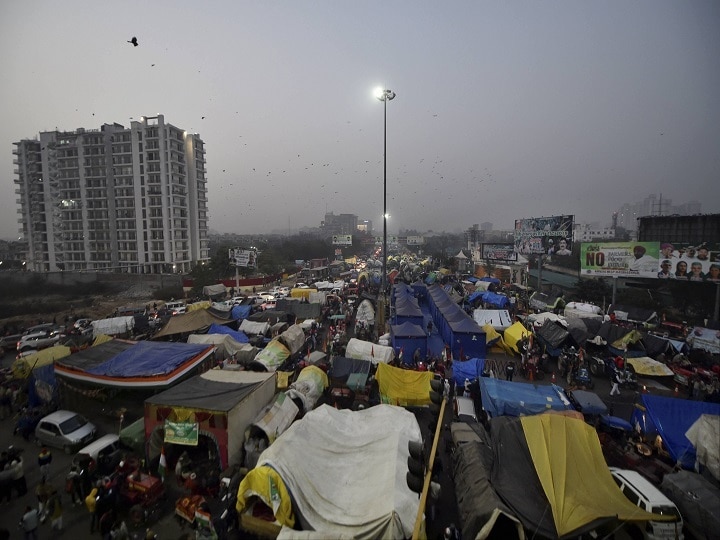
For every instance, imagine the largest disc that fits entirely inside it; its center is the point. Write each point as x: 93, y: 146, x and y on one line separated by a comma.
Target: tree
x: 594, y: 291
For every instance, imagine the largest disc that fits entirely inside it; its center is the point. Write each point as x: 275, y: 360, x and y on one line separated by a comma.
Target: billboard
x: 242, y: 257
x: 415, y: 240
x: 499, y: 252
x: 342, y: 240
x: 689, y: 262
x: 620, y: 259
x: 550, y: 235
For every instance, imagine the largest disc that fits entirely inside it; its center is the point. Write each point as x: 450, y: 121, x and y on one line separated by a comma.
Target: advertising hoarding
x: 545, y: 235
x: 242, y: 257
x: 689, y: 262
x: 620, y: 259
x: 342, y: 240
x: 499, y: 252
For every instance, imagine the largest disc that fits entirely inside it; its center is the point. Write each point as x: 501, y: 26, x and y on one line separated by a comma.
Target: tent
x: 403, y: 387
x: 240, y: 312
x: 514, y: 334
x: 671, y: 418
x: 467, y: 339
x: 552, y: 335
x: 507, y: 398
x: 704, y: 435
x: 221, y: 403
x: 582, y: 310
x: 272, y: 356
x: 240, y: 337
x: 293, y: 338
x: 469, y: 369
x: 22, y: 367
x: 189, y: 323
x: 215, y: 291
x: 499, y: 319
x: 254, y: 328
x: 499, y: 301
x: 408, y: 337
x: 226, y: 346
x: 705, y: 339
x: 587, y: 402
x: 649, y: 367
x: 341, y: 368
x: 365, y: 350
x: 113, y: 326
x: 550, y: 472
x: 698, y: 501
x: 336, y: 502
x: 308, y: 387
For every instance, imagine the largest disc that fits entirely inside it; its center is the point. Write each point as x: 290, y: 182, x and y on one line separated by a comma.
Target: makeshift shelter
x: 514, y: 335
x: 338, y: 503
x: 193, y: 322
x: 467, y: 339
x: 408, y: 311
x: 113, y: 326
x: 365, y: 313
x: 499, y: 319
x: 618, y: 337
x: 704, y: 435
x: 403, y: 387
x: 587, y: 402
x: 468, y: 369
x: 582, y: 310
x: 552, y: 335
x: 498, y: 301
x: 671, y: 418
x: 365, y: 350
x: 494, y: 339
x: 507, y: 398
x: 649, y: 367
x: 633, y: 314
x: 698, y: 501
x: 408, y: 337
x: 308, y: 387
x: 225, y: 346
x: 706, y: 339
x: 550, y: 472
x: 215, y: 291
x: 293, y: 338
x: 271, y: 357
x: 240, y: 312
x: 238, y: 336
x: 341, y: 369
x: 254, y: 328
x: 583, y: 330
x: 221, y: 404
x: 42, y: 387
x: 145, y: 364
x: 22, y: 367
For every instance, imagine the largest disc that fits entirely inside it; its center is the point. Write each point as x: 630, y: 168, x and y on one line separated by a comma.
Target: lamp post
x: 384, y: 95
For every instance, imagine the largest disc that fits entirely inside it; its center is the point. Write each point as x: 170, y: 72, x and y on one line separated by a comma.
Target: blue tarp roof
x: 465, y: 326
x: 490, y: 280
x: 499, y: 300
x: 671, y: 418
x: 148, y: 358
x: 407, y: 329
x: 238, y: 336
x: 240, y: 312
x: 467, y: 369
x: 506, y: 398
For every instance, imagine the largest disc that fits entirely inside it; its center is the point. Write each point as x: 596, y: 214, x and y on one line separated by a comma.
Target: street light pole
x: 384, y: 95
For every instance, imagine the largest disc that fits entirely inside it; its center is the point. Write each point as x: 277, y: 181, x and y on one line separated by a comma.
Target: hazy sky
x: 504, y: 109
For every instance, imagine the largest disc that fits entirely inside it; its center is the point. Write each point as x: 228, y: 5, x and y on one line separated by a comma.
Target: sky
x: 504, y: 109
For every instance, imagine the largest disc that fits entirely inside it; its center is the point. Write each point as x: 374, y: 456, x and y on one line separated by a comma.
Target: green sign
x: 181, y: 433
x: 620, y: 259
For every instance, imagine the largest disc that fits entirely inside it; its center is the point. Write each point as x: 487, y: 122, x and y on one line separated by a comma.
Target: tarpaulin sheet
x: 698, y: 501
x: 190, y: 322
x: 254, y: 328
x: 514, y: 334
x: 22, y: 367
x: 403, y: 387
x: 647, y: 366
x: 407, y: 330
x: 704, y: 435
x: 113, y: 326
x: 333, y: 492
x: 273, y: 355
x: 266, y: 484
x: 499, y: 319
x: 589, y: 402
x: 226, y: 346
x: 671, y: 418
x: 149, y: 359
x: 468, y: 369
x: 214, y: 290
x: 493, y: 299
x: 575, y: 479
x: 238, y: 336
x: 706, y: 339
x: 293, y: 338
x: 373, y: 352
x: 309, y: 386
x: 341, y: 368
x: 276, y: 416
x: 553, y: 333
x: 507, y: 398
x: 240, y: 312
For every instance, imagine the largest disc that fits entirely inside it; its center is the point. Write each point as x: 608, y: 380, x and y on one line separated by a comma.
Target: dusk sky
x: 504, y: 109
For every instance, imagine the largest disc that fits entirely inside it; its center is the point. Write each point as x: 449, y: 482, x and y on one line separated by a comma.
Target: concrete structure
x: 113, y: 199
x: 653, y: 205
x: 339, y: 224
x: 682, y: 229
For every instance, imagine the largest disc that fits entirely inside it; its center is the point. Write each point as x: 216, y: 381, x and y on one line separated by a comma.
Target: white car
x: 266, y: 296
x: 64, y: 429
x: 39, y: 340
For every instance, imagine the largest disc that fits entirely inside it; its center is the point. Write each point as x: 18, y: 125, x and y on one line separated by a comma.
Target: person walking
x: 55, y: 511
x: 509, y: 371
x: 44, y: 461
x: 616, y: 380
x: 42, y: 492
x: 29, y: 523
x: 73, y: 485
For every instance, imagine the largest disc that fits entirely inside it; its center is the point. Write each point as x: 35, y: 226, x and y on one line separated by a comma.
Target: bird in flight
x: 134, y: 41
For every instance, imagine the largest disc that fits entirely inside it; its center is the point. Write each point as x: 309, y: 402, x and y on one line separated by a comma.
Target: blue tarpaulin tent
x: 43, y: 387
x: 467, y: 339
x: 240, y: 312
x: 671, y: 418
x: 468, y: 369
x: 148, y: 359
x: 238, y: 336
x: 499, y: 301
x: 408, y: 337
x: 507, y: 398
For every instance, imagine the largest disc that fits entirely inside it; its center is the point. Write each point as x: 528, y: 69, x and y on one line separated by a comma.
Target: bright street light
x: 384, y: 95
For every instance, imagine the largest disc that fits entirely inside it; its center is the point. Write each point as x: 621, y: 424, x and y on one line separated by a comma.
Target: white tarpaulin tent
x: 582, y: 310
x: 365, y: 312
x: 704, y: 435
x: 254, y: 328
x: 499, y: 319
x: 366, y: 350
x: 113, y: 326
x: 338, y: 495
x: 538, y: 319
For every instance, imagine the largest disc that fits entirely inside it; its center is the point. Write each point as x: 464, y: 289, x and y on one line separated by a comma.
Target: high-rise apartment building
x: 113, y: 199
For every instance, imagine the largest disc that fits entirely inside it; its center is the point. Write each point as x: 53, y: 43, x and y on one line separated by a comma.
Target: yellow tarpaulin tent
x: 22, y: 367
x: 648, y: 366
x: 403, y: 387
x: 302, y: 293
x: 198, y: 305
x: 514, y: 334
x: 265, y: 483
x: 576, y: 480
x: 495, y: 339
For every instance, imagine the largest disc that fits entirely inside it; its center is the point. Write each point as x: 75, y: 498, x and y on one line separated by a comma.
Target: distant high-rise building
x: 653, y: 205
x: 114, y: 199
x: 339, y: 224
x: 486, y: 226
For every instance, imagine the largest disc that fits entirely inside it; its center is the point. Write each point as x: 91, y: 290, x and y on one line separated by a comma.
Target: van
x: 649, y: 498
x: 465, y: 409
x: 106, y: 453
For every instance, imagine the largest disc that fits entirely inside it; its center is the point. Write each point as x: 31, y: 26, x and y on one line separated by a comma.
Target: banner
x: 499, y: 252
x: 342, y: 240
x: 391, y: 239
x: 620, y: 259
x: 242, y: 257
x: 550, y: 235
x: 181, y: 433
x: 689, y: 262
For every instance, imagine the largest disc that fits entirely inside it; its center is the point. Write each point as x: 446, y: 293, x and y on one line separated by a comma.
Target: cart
x: 142, y: 493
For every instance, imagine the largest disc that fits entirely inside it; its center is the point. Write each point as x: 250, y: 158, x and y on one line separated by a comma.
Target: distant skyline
x: 504, y: 110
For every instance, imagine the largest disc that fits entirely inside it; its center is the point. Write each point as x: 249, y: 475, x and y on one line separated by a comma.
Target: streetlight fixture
x: 384, y: 95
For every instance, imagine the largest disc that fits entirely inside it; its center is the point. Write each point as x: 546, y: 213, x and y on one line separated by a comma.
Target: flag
x: 162, y: 466
x: 372, y: 351
x: 400, y: 356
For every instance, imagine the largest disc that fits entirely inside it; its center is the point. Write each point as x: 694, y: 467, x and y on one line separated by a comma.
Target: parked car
x: 39, y: 340
x: 269, y: 304
x: 237, y: 300
x: 106, y: 453
x: 266, y: 296
x: 465, y: 409
x: 9, y: 342
x: 643, y: 494
x: 64, y: 429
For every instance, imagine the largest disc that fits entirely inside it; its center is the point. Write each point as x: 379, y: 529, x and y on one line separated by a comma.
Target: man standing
x: 510, y: 371
x: 616, y: 380
x: 29, y: 523
x: 44, y: 461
